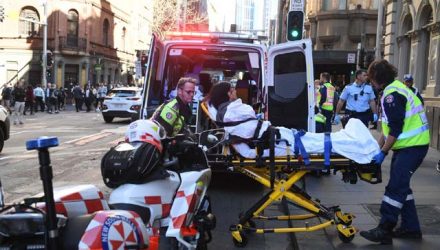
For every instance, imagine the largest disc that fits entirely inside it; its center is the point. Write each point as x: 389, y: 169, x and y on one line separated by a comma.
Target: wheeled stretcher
x: 282, y: 175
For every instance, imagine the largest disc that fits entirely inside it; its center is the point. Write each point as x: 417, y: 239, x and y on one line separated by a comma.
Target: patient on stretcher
x: 355, y: 142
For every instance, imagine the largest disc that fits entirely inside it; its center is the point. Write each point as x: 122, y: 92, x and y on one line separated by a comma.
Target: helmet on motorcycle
x: 145, y: 131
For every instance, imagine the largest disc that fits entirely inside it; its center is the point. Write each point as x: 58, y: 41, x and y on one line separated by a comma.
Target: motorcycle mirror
x: 2, y: 195
x: 212, y: 138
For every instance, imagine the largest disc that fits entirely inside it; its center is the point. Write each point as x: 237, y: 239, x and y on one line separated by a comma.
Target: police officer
x: 174, y: 114
x: 327, y: 92
x: 360, y: 100
x: 408, y: 80
x: 405, y: 131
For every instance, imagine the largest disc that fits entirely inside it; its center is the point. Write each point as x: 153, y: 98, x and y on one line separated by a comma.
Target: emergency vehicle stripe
x: 153, y: 200
x: 392, y: 202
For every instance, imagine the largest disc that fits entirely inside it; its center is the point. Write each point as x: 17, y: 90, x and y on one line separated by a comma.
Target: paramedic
x: 405, y: 131
x: 327, y: 92
x: 360, y: 100
x: 174, y: 114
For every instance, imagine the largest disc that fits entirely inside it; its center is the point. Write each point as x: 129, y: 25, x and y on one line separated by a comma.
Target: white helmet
x: 145, y: 131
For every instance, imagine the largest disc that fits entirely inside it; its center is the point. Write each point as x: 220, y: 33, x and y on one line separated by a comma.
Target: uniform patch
x: 389, y: 99
x: 169, y: 115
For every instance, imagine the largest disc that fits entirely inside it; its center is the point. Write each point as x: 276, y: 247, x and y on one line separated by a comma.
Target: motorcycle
x: 136, y: 216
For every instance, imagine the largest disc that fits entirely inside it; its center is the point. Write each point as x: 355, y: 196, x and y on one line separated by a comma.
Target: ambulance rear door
x: 289, y: 91
x: 150, y: 91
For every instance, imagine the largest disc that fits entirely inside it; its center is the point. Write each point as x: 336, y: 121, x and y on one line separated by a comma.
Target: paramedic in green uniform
x: 174, y: 114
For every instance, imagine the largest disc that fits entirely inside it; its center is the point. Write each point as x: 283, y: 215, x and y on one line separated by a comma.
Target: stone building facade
x: 336, y: 27
x: 91, y: 41
x: 411, y: 42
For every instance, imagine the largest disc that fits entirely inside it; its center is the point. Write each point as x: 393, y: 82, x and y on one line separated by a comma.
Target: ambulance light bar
x: 213, y: 36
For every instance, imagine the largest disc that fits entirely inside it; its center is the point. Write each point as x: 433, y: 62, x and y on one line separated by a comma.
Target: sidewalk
x: 363, y: 200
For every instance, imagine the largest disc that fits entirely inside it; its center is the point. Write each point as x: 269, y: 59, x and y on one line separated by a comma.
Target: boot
x: 380, y: 234
x: 403, y: 233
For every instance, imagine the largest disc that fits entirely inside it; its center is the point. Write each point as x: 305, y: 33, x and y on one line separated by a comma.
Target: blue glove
x: 260, y: 116
x: 375, y: 117
x: 337, y: 119
x: 378, y: 159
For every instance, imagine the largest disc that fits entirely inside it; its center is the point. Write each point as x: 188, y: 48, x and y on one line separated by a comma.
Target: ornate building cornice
x: 415, y: 35
x: 434, y: 29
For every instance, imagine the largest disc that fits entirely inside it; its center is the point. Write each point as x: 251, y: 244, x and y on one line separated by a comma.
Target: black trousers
x: 365, y: 117
x: 328, y: 122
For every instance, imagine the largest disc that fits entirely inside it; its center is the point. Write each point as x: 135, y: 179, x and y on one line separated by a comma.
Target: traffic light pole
x: 44, y: 78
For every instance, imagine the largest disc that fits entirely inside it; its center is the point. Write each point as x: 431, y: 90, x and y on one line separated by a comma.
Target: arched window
x: 105, y: 30
x: 406, y: 55
x: 29, y: 28
x: 334, y: 5
x: 72, y: 23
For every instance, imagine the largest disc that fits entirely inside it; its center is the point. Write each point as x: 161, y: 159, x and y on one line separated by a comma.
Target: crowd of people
x: 23, y: 99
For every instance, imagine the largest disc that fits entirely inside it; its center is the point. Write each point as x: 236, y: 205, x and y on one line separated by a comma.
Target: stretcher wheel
x: 243, y: 242
x: 344, y: 238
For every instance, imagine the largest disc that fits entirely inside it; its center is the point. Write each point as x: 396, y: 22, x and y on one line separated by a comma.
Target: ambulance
x: 276, y: 80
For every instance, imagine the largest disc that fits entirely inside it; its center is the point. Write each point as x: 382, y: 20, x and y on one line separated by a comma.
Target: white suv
x: 4, y: 126
x: 122, y: 102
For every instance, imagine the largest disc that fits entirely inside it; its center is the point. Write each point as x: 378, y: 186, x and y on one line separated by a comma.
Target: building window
x: 72, y: 23
x: 105, y: 30
x: 327, y: 46
x: 334, y: 5
x: 26, y: 27
x: 123, y: 36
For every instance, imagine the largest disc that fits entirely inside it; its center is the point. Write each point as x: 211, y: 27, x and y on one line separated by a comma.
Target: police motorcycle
x: 173, y: 200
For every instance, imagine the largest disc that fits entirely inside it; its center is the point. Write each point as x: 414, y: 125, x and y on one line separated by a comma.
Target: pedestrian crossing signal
x: 295, y: 25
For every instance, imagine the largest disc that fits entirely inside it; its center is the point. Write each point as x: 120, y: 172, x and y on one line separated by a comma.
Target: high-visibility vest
x: 168, y: 115
x: 328, y: 104
x: 320, y: 118
x: 317, y: 96
x: 415, y: 131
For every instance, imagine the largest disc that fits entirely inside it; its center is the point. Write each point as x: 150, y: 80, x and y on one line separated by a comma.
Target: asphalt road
x: 84, y: 138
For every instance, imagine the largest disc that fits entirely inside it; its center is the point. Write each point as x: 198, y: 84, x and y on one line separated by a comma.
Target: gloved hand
x: 378, y: 159
x: 375, y: 117
x: 337, y: 119
x: 260, y: 116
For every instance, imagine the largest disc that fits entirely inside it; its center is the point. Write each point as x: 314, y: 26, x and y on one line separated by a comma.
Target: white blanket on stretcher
x: 355, y: 142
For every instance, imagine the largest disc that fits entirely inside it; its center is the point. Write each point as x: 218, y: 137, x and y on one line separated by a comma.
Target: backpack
x: 130, y: 163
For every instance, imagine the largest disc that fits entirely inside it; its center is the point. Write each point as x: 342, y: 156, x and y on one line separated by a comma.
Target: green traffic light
x: 294, y: 33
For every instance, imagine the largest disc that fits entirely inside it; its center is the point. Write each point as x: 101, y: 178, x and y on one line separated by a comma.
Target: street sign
x: 97, y: 67
x: 296, y: 5
x: 351, y: 58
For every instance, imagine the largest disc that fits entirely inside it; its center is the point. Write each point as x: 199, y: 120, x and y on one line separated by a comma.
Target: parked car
x: 4, y: 126
x: 122, y: 102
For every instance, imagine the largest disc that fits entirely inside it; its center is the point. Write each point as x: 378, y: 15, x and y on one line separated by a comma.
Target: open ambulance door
x: 152, y: 89
x: 289, y: 90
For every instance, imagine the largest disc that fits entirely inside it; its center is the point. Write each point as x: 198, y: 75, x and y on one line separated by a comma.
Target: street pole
x: 44, y: 44
x: 379, y: 31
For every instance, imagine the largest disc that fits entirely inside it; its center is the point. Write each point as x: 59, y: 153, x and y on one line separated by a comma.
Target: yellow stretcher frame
x: 280, y: 175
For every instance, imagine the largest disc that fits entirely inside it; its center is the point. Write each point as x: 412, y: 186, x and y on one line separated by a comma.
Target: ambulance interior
x: 209, y: 65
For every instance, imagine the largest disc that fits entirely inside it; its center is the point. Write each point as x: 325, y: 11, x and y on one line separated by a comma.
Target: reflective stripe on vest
x: 415, y: 131
x: 328, y: 104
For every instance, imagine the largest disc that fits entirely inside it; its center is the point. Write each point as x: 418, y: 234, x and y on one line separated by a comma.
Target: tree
x: 172, y: 15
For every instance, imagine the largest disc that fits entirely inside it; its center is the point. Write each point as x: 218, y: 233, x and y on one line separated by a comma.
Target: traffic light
x: 48, y: 75
x: 368, y: 60
x: 2, y: 13
x: 295, y: 25
x: 144, y: 61
x: 49, y: 59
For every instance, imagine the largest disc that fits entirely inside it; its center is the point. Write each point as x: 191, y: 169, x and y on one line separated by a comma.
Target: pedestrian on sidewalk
x: 78, y: 95
x: 39, y: 98
x: 7, y: 97
x: 29, y: 100
x: 18, y: 94
x: 406, y: 132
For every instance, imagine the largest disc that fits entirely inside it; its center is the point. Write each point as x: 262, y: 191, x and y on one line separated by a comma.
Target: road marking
x: 115, y: 142
x: 89, y: 138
